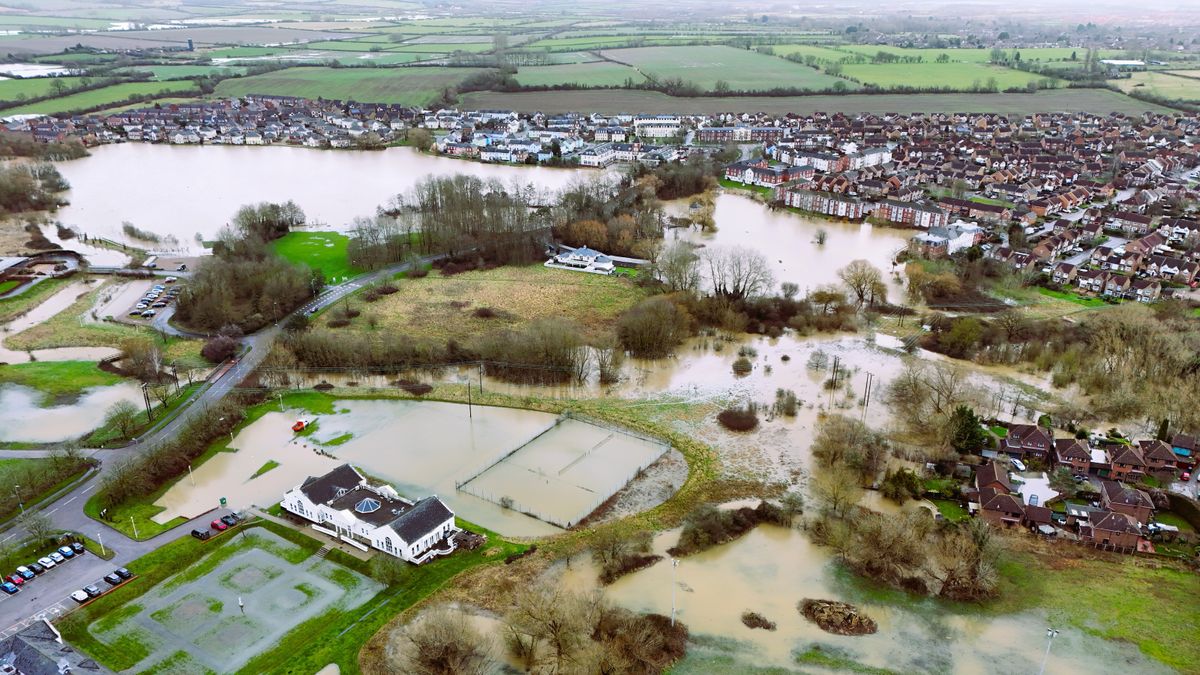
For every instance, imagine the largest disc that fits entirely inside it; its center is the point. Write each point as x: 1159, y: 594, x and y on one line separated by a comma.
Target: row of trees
x: 27, y: 480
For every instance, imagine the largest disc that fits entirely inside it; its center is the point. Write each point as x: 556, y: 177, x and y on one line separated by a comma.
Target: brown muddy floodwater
x: 560, y: 470
x: 28, y: 419
x: 43, y: 312
x: 772, y: 568
x: 788, y: 241
x: 181, y: 191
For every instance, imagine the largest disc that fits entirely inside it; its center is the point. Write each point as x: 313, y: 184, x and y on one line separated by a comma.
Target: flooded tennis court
x: 422, y: 448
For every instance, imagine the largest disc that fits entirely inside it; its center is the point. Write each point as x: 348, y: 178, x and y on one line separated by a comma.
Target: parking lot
x: 159, y: 296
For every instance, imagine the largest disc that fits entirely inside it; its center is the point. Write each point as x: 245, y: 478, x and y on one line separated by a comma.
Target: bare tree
x: 864, y: 281
x: 442, y: 642
x: 737, y: 272
x: 837, y: 489
x: 123, y: 416
x: 550, y: 626
x: 37, y: 524
x: 679, y: 267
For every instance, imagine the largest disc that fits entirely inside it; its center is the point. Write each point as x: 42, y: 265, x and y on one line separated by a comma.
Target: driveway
x: 1036, y: 489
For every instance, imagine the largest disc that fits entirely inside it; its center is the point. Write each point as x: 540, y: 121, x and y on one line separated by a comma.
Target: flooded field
x: 789, y: 241
x: 44, y: 311
x: 25, y: 420
x: 175, y: 194
x: 423, y: 447
x: 772, y: 568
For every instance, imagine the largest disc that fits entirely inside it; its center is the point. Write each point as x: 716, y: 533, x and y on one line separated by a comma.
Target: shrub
x: 415, y: 388
x: 738, y: 419
x: 756, y: 620
x: 338, y: 323
x: 653, y: 327
x: 484, y: 313
x: 219, y: 349
x: 742, y: 366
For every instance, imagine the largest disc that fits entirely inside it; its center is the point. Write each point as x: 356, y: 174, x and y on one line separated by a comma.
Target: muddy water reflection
x: 772, y: 568
x: 789, y: 242
x: 26, y: 420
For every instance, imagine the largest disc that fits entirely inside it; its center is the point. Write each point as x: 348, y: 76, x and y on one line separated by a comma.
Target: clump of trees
x: 26, y: 481
x: 618, y: 554
x: 707, y: 526
x: 24, y: 145
x: 654, y: 327
x: 555, y: 631
x: 245, y: 283
x: 739, y: 418
x: 30, y: 187
x: 441, y: 641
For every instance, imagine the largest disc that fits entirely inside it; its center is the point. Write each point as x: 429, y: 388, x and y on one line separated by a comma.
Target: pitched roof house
x: 1073, y: 453
x: 1026, y: 440
x: 344, y: 504
x: 1131, y: 501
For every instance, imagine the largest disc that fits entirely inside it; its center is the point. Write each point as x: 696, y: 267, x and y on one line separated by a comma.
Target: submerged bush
x: 739, y: 419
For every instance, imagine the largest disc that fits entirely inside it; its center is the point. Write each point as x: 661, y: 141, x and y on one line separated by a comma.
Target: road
x: 46, y: 593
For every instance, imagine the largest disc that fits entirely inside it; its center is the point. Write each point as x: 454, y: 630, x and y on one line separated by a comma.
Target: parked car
x: 201, y: 534
x: 1018, y: 465
x: 1187, y: 475
x: 181, y: 268
x: 37, y: 568
x: 57, y: 557
x: 25, y: 573
x: 11, y: 589
x: 171, y: 280
x: 93, y: 591
x: 217, y: 525
x: 149, y: 313
x: 1080, y: 478
x: 123, y: 573
x: 112, y: 579
x: 80, y: 596
x: 67, y: 551
x: 78, y: 547
x: 229, y: 520
x: 47, y: 562
x: 16, y: 579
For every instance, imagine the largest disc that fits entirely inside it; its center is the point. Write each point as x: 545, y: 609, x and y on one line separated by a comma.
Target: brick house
x: 1001, y: 510
x: 1158, y: 456
x: 1026, y: 440
x: 1112, y: 529
x: 1073, y: 453
x: 994, y: 477
x: 1127, y: 463
x: 1121, y: 498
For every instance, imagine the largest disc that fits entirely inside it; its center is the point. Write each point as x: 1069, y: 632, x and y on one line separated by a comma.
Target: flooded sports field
x: 544, y: 465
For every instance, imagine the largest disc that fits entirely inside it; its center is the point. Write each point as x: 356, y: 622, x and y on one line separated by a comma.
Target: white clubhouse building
x: 343, y: 504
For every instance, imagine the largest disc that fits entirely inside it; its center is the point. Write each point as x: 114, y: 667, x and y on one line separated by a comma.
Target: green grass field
x: 442, y: 47
x: 12, y: 90
x: 822, y: 53
x: 739, y: 68
x: 325, y: 251
x: 162, y: 73
x: 596, y: 73
x: 1072, y: 297
x: 1164, y: 85
x: 407, y: 86
x: 952, y: 75
x: 103, y: 96
x: 58, y: 378
x: 652, y: 102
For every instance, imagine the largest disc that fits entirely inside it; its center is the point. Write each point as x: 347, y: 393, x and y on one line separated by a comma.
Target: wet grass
x: 951, y: 510
x: 6, y: 286
x: 438, y: 308
x: 1072, y: 298
x: 58, y: 379
x: 837, y: 660
x: 1175, y: 520
x: 271, y: 464
x: 11, y: 308
x: 323, y: 251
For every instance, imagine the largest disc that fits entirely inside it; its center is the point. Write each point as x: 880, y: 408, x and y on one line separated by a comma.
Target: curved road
x: 45, y: 594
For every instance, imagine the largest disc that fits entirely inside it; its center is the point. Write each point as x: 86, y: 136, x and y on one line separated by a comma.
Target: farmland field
x: 441, y: 47
x: 32, y: 87
x: 977, y: 55
x: 822, y: 53
x: 705, y: 66
x: 597, y: 73
x: 951, y: 75
x: 602, y: 41
x: 408, y: 86
x: 1163, y: 84
x: 624, y: 100
x: 103, y: 96
x: 178, y: 72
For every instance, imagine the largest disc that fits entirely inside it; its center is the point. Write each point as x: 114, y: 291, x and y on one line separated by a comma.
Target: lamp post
x: 190, y: 477
x: 674, y: 566
x: 100, y: 539
x: 1050, y: 633
x: 17, y: 494
x: 134, y: 524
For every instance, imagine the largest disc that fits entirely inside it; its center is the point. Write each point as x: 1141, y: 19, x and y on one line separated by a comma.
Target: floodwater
x: 27, y: 421
x: 788, y: 240
x: 44, y: 311
x: 422, y: 448
x: 185, y: 190
x: 31, y: 70
x: 772, y: 568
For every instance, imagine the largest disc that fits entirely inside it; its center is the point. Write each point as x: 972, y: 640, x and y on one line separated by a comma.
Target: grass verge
x: 58, y: 379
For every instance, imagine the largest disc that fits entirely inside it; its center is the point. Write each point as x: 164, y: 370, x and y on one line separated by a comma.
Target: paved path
x: 47, y: 592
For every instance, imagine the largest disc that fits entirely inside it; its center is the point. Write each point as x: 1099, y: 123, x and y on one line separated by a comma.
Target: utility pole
x: 674, y: 567
x: 146, y: 400
x: 481, y: 378
x: 17, y: 494
x: 470, y: 411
